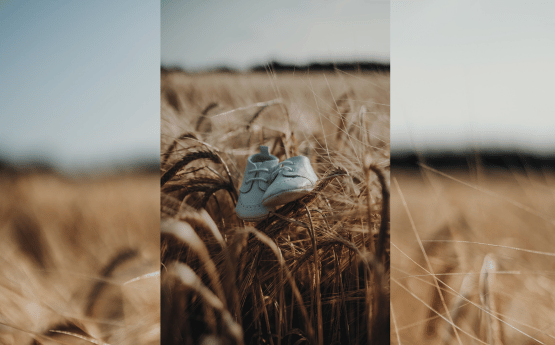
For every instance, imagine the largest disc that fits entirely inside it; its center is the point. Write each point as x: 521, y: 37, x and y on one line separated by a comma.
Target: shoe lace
x: 280, y: 169
x: 257, y: 178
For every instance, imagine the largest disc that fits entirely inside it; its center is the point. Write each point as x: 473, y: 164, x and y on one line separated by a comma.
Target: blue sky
x: 79, y: 81
x: 473, y: 73
x: 199, y: 34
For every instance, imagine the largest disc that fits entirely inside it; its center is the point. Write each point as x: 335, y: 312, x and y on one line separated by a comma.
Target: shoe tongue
x: 264, y: 151
x: 263, y: 158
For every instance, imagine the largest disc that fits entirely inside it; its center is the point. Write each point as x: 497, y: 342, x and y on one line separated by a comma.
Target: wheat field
x: 79, y: 259
x: 473, y: 256
x: 316, y: 271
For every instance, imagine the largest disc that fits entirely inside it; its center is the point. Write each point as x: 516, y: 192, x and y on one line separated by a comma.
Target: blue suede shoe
x: 291, y: 180
x: 255, y: 183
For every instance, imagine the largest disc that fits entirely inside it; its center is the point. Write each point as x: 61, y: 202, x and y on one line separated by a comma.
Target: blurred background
x: 79, y: 91
x: 471, y: 76
x: 197, y: 35
x: 472, y: 101
x: 79, y: 172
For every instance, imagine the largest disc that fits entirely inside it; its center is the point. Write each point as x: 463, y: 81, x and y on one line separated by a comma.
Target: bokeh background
x: 197, y: 35
x: 472, y: 75
x: 471, y: 100
x: 79, y: 83
x: 79, y: 172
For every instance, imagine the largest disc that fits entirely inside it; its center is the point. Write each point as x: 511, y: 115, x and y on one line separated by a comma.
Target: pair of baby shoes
x: 267, y: 183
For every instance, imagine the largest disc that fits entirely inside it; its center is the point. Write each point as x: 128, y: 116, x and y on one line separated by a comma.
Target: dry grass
x: 68, y: 256
x: 473, y: 257
x: 316, y: 271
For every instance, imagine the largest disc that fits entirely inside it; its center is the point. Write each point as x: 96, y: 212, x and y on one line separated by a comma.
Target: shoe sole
x: 253, y: 219
x: 286, y: 196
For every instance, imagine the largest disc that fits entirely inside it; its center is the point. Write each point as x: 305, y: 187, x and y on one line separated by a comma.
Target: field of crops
x: 487, y: 273
x: 316, y: 271
x: 79, y: 259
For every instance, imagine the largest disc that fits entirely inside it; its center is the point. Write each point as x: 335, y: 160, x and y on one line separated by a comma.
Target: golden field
x: 487, y: 273
x: 79, y: 259
x: 316, y: 270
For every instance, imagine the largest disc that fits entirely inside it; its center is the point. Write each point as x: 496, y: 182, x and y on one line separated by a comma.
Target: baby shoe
x: 293, y: 179
x: 255, y: 182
